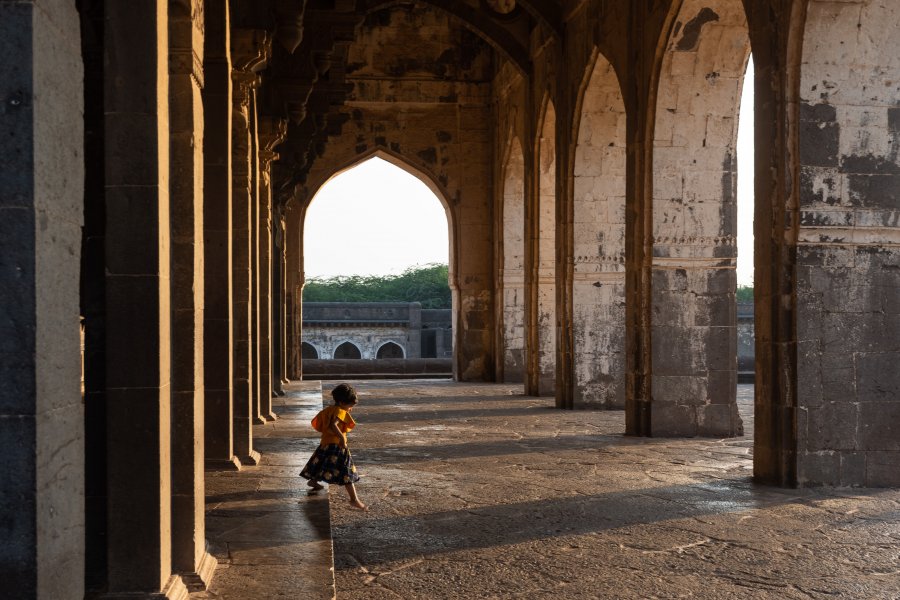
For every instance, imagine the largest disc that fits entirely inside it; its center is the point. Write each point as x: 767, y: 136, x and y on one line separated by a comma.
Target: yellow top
x: 323, y: 420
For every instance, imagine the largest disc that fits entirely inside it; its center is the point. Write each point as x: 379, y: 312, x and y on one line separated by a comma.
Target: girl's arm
x: 335, y: 427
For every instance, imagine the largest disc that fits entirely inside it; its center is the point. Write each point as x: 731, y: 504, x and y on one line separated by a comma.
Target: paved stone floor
x: 271, y: 538
x: 478, y: 492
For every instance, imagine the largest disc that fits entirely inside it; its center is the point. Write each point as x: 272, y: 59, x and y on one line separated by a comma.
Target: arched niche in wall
x: 599, y: 241
x: 347, y: 350
x: 390, y: 350
x: 309, y: 351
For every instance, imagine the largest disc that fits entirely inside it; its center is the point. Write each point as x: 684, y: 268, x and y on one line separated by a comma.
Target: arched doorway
x: 347, y: 350
x: 379, y: 225
x: 390, y: 350
x: 309, y: 351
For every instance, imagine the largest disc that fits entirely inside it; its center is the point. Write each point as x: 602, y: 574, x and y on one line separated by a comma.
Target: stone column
x: 217, y: 316
x: 693, y: 320
x: 41, y: 195
x: 270, y: 133
x: 414, y: 345
x: 249, y: 50
x: 138, y: 373
x: 189, y: 555
x: 277, y: 305
x: 293, y: 273
x: 255, y: 274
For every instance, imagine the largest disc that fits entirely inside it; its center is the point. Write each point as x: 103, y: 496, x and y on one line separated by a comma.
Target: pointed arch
x: 390, y: 349
x: 347, y: 350
x: 598, y: 285
x: 309, y: 352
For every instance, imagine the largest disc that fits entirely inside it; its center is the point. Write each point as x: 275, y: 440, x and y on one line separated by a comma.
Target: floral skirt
x: 331, y: 464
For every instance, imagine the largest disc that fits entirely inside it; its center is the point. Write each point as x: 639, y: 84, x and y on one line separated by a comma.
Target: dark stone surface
x: 133, y: 343
x: 18, y: 434
x: 832, y: 426
x: 882, y: 469
x: 880, y: 426
x: 820, y: 142
x: 18, y: 505
x: 874, y: 191
x: 672, y: 420
x: 878, y: 377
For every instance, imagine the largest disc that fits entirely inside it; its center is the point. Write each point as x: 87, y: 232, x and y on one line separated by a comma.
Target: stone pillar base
x: 251, y: 459
x: 223, y: 465
x: 199, y: 581
x: 271, y: 417
x: 259, y: 420
x: 173, y: 590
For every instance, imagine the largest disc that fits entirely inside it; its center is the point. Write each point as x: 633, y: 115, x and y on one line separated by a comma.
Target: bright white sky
x: 745, y: 182
x: 377, y: 219
x: 374, y: 219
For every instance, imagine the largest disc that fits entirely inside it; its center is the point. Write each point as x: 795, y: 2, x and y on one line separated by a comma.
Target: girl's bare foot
x: 356, y: 503
x: 315, y: 485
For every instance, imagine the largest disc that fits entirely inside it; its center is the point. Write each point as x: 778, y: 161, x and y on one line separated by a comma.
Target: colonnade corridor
x: 475, y: 490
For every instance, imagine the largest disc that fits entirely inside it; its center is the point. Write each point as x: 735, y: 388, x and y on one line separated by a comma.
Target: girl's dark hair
x: 344, y: 394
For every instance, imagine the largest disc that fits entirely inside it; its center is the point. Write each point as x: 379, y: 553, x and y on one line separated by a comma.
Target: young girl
x: 331, y: 462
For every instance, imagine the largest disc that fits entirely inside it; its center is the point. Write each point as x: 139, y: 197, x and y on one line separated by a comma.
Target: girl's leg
x: 354, y: 499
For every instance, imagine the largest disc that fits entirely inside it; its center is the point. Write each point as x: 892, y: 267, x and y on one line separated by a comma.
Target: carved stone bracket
x: 272, y: 132
x: 251, y: 50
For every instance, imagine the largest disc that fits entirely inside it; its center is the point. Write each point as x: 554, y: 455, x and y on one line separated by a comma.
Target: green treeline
x: 427, y: 284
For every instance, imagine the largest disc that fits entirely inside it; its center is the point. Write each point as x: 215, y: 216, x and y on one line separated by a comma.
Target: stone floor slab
x: 476, y: 491
x: 272, y: 539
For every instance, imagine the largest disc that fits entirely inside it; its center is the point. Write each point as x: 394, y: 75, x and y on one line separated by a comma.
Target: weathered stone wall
x: 367, y: 339
x: 512, y: 277
x: 848, y: 254
x: 598, y: 284
x: 41, y: 195
x: 695, y: 222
